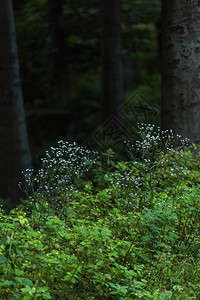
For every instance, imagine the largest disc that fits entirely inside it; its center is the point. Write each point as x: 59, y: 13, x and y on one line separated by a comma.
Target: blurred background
x: 59, y: 45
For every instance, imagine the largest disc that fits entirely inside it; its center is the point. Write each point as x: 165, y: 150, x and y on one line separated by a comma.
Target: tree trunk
x: 14, y: 147
x: 181, y: 67
x: 60, y: 55
x: 112, y: 69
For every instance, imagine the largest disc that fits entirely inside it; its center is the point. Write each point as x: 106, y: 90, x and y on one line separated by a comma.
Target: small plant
x: 61, y: 169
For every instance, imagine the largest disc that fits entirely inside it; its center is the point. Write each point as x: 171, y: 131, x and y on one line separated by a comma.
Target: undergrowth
x: 126, y: 231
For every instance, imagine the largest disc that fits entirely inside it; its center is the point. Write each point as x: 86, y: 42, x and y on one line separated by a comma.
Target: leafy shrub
x: 136, y: 236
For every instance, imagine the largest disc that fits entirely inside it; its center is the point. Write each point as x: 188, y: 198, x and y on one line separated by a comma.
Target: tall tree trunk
x: 112, y: 69
x: 181, y: 67
x: 58, y: 35
x: 14, y: 147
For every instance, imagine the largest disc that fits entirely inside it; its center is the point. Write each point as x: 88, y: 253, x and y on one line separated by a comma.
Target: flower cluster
x: 28, y: 177
x: 153, y: 142
x: 64, y: 164
x: 129, y: 183
x: 61, y: 168
x: 155, y: 152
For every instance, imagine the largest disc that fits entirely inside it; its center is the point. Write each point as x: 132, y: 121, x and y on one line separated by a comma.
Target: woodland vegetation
x: 95, y: 228
x: 109, y: 206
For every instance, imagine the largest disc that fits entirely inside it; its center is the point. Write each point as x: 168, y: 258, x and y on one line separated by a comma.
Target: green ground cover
x: 113, y: 230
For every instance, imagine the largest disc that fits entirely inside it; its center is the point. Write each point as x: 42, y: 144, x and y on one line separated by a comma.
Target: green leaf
x: 27, y: 289
x: 20, y: 253
x: 108, y: 276
x: 27, y: 297
x: 166, y: 295
x: 3, y: 259
x: 25, y: 281
x: 37, y: 205
x: 7, y: 283
x: 3, y: 240
x: 46, y: 295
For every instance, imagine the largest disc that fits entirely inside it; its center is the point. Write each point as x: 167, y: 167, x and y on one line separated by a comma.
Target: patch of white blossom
x: 61, y: 167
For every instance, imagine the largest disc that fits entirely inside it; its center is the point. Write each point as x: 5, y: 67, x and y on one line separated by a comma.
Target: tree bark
x: 60, y: 52
x: 111, y: 53
x: 181, y: 67
x: 14, y: 147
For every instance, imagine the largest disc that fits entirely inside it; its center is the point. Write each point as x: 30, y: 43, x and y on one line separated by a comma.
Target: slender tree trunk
x: 14, y: 147
x: 58, y: 35
x: 112, y: 69
x: 181, y: 67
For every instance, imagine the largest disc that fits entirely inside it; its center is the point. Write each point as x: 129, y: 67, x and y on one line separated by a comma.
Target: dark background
x: 76, y: 44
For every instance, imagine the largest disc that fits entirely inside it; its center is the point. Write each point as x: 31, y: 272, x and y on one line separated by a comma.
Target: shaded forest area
x: 59, y: 44
x: 121, y: 222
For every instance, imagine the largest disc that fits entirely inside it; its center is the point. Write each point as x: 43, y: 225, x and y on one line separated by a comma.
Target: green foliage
x: 128, y: 233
